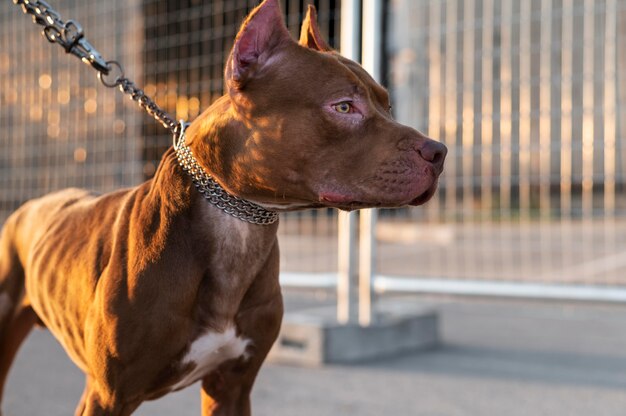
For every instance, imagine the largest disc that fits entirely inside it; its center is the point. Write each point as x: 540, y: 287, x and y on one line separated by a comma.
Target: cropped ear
x: 260, y: 35
x: 310, y: 35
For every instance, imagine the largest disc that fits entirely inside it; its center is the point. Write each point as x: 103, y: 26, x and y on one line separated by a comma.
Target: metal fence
x: 530, y: 100
x: 58, y: 126
x: 527, y: 95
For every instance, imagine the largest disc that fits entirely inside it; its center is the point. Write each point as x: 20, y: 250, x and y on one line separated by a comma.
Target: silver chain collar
x: 213, y: 192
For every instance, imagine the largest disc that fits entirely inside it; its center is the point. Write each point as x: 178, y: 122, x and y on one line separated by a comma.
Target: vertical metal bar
x: 620, y: 80
x: 567, y: 54
x: 435, y: 106
x: 566, y: 108
x: 347, y: 255
x: 450, y: 115
x: 524, y: 108
x: 487, y: 109
x: 467, y: 110
x: 610, y: 131
x: 350, y: 28
x: 367, y: 264
x: 347, y: 268
x: 545, y: 134
x: 525, y: 87
x: 371, y: 50
x: 588, y: 127
x: 506, y: 126
x: 588, y: 109
x: 545, y: 128
x: 506, y: 109
x: 487, y: 133
x: 466, y: 115
x: 372, y: 57
x: 434, y: 90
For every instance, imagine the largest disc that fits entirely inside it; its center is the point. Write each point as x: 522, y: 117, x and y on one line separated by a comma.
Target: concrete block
x: 313, y: 337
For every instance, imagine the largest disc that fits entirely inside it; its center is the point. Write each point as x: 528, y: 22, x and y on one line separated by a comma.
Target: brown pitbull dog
x: 153, y: 288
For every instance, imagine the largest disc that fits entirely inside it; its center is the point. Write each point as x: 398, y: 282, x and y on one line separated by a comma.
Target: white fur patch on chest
x: 5, y: 304
x: 210, y: 350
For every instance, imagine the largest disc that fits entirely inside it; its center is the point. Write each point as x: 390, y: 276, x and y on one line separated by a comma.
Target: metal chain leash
x: 71, y: 37
x: 136, y: 94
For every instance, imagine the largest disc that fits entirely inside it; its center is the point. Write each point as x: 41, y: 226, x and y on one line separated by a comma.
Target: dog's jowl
x: 153, y: 288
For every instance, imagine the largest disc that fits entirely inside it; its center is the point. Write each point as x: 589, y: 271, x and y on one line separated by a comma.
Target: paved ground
x: 497, y: 358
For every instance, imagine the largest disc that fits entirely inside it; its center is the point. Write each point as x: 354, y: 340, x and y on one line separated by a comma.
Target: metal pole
x: 372, y: 54
x: 372, y: 37
x: 347, y: 285
x: 350, y: 28
x: 367, y: 265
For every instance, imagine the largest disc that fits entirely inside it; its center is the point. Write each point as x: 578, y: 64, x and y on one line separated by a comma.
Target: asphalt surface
x: 503, y: 358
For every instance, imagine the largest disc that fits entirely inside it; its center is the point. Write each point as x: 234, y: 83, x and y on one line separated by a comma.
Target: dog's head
x: 301, y: 126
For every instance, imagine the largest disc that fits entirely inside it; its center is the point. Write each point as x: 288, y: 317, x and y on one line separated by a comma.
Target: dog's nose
x: 434, y: 152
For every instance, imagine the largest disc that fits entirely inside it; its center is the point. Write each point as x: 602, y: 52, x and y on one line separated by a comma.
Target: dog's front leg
x: 226, y: 391
x: 80, y: 408
x: 220, y: 398
x: 93, y: 404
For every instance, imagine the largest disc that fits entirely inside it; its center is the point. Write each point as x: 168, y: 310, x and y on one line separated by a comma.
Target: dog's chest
x: 238, y: 249
x: 207, y: 352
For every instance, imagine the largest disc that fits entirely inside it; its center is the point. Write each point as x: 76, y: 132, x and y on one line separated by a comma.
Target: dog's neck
x: 171, y: 195
x: 214, y: 193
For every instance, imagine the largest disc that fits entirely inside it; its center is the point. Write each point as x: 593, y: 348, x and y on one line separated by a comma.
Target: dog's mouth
x: 347, y: 203
x: 352, y: 205
x: 425, y: 197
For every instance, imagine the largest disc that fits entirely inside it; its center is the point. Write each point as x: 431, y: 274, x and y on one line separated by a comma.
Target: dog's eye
x: 343, y: 107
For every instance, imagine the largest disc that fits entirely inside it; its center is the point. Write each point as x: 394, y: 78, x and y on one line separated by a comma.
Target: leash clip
x: 178, y: 138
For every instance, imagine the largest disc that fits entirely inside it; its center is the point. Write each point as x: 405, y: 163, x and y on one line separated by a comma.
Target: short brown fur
x: 127, y: 281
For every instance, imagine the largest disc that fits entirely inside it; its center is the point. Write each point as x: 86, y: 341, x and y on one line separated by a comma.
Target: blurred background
x: 527, y: 95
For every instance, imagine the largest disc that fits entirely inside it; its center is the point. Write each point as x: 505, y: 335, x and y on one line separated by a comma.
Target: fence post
x: 367, y: 266
x: 347, y: 276
x: 371, y: 57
